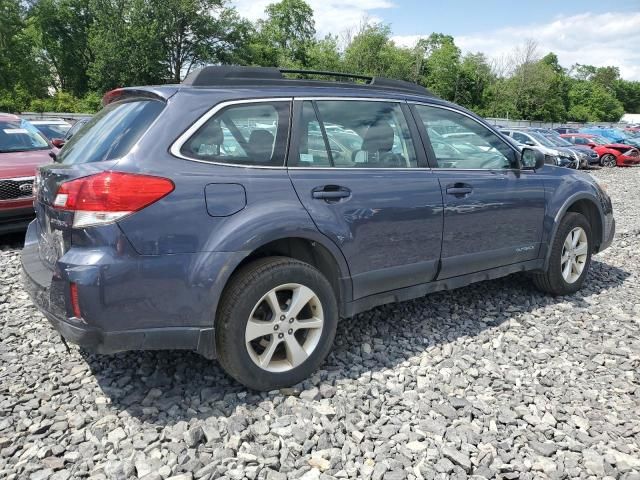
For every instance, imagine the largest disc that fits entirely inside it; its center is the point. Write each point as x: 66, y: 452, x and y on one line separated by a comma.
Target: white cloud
x: 331, y: 16
x: 588, y: 38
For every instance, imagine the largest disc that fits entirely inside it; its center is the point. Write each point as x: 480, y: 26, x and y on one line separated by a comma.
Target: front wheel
x: 276, y: 323
x: 608, y: 160
x: 570, y: 257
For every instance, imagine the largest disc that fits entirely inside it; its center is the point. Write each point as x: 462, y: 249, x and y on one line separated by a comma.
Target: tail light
x: 75, y: 300
x: 109, y: 196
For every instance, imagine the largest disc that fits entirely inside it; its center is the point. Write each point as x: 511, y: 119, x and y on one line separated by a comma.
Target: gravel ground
x: 493, y: 380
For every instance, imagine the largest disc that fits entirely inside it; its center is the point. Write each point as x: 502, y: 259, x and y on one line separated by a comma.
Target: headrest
x: 379, y: 138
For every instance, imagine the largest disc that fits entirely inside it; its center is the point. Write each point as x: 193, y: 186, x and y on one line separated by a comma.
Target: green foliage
x: 66, y: 102
x: 62, y: 30
x: 62, y: 55
x: 372, y: 52
x: 440, y: 61
x: 289, y: 32
x: 592, y: 102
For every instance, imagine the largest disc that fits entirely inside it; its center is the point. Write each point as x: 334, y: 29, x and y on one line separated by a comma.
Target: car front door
x: 493, y: 211
x: 368, y: 190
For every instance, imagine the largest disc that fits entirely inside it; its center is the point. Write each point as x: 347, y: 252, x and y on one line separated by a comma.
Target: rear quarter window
x: 112, y: 132
x: 250, y: 134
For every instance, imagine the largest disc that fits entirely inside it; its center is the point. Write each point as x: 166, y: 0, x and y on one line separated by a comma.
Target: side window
x: 354, y: 134
x: 463, y: 143
x: 580, y: 140
x: 243, y: 134
x: 521, y: 138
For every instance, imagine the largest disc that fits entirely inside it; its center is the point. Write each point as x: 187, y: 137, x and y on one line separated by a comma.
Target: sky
x: 599, y: 33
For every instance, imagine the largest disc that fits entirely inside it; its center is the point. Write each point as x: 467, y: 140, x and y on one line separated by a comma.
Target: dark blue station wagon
x: 242, y: 213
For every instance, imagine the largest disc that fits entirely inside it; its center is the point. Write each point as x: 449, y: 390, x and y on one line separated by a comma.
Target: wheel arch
x: 319, y: 253
x: 586, y: 205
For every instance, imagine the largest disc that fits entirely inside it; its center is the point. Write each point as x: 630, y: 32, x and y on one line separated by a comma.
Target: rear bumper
x: 15, y: 219
x: 104, y: 307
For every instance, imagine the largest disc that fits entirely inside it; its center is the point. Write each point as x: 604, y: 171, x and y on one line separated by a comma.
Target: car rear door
x: 368, y: 189
x: 493, y: 212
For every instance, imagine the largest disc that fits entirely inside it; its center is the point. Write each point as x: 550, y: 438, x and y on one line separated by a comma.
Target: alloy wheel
x: 284, y: 327
x: 609, y: 160
x: 574, y: 255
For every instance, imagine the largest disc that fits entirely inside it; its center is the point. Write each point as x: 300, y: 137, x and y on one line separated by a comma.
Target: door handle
x: 330, y: 192
x: 459, y: 189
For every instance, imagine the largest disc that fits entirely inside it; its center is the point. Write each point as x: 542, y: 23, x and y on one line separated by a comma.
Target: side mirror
x: 592, y: 145
x: 530, y: 143
x: 58, y: 142
x: 531, y: 159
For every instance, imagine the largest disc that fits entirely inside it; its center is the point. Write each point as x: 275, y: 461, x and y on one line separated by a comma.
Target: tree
x: 606, y: 76
x: 63, y: 35
x: 21, y: 64
x: 288, y: 31
x: 372, y: 52
x: 440, y: 60
x: 195, y: 32
x: 324, y: 55
x: 591, y: 102
x: 474, y: 78
x: 159, y: 41
x: 629, y: 94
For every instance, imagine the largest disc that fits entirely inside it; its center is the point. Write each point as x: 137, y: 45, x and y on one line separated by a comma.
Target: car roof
x: 257, y: 82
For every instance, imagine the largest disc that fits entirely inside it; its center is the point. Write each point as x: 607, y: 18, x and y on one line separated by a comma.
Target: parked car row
x: 614, y: 146
x: 557, y: 151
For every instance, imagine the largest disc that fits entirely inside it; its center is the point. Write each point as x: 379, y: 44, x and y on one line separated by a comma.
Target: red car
x: 611, y: 154
x: 22, y: 149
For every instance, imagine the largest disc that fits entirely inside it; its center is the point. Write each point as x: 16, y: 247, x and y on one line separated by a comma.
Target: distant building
x: 630, y: 118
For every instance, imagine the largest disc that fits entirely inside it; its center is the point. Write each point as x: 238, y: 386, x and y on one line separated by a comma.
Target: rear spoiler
x: 154, y: 93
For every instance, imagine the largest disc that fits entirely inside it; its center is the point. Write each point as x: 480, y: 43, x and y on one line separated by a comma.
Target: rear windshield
x: 112, y: 132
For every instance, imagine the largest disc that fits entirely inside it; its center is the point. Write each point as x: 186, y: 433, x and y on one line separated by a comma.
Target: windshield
x: 557, y: 141
x: 112, y: 132
x: 53, y: 130
x: 542, y: 139
x: 20, y: 136
x: 599, y: 140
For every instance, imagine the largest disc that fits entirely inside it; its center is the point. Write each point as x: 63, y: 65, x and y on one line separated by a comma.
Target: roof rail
x: 225, y: 75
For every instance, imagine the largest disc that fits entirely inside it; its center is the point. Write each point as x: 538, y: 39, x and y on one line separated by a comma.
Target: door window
x: 243, y: 134
x: 354, y: 134
x: 458, y: 141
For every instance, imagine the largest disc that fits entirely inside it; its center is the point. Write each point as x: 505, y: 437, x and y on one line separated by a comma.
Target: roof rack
x: 225, y: 75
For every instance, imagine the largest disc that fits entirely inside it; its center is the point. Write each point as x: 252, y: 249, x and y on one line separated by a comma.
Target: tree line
x: 62, y: 55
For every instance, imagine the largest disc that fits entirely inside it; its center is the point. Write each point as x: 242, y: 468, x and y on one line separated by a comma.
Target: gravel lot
x: 493, y: 380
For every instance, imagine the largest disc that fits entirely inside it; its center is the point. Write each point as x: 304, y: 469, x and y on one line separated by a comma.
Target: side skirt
x: 403, y: 294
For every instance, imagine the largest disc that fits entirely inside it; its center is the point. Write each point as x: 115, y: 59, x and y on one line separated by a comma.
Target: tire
x: 554, y: 281
x: 608, y: 160
x: 258, y: 299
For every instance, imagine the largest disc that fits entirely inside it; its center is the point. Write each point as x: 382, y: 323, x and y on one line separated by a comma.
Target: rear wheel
x: 570, y: 257
x: 608, y: 160
x: 276, y: 323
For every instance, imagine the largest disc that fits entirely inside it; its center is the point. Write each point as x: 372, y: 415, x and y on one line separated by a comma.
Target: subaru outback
x: 242, y: 213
